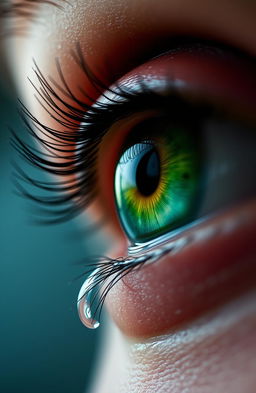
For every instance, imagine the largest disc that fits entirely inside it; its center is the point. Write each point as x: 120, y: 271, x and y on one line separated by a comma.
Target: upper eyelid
x: 56, y: 96
x: 57, y: 141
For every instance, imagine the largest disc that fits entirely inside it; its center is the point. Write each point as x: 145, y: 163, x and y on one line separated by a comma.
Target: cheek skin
x: 214, y: 354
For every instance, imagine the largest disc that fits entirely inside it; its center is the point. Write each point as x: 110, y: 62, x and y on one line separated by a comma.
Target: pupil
x: 148, y: 173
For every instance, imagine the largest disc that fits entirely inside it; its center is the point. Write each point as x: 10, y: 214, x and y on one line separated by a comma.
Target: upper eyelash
x: 84, y: 126
x: 69, y: 120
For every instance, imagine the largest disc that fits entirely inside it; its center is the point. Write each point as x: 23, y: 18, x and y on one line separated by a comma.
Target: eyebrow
x: 24, y: 8
x: 16, y: 15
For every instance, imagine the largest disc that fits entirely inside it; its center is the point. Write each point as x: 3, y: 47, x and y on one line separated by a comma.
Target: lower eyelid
x: 211, y: 267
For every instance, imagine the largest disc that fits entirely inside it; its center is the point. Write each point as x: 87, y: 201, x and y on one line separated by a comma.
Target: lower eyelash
x: 100, y: 272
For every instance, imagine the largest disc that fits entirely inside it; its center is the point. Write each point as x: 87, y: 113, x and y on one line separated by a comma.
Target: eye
x: 181, y: 163
x: 158, y: 179
x: 175, y: 171
x: 160, y: 163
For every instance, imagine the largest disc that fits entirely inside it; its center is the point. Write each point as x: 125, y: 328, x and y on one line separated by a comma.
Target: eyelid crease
x: 21, y: 11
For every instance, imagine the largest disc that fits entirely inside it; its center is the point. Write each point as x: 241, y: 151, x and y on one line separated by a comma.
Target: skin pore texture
x: 210, y: 352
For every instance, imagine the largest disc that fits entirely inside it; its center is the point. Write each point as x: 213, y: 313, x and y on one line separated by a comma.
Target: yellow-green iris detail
x: 157, y: 182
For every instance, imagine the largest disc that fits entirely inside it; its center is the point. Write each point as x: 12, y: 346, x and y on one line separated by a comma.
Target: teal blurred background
x: 44, y: 346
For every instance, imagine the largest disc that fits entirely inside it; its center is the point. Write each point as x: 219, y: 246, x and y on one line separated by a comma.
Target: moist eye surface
x: 158, y: 180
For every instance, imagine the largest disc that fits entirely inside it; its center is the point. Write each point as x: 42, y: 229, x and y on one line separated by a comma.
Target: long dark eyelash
x: 73, y: 150
x: 56, y: 147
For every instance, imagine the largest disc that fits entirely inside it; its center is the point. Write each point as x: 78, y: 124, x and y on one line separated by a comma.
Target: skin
x: 213, y: 352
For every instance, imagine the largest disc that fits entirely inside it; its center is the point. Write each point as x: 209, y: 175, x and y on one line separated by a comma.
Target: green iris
x: 158, y: 180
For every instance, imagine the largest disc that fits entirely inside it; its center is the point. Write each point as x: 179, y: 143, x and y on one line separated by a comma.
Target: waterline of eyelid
x: 177, y: 236
x: 174, y: 235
